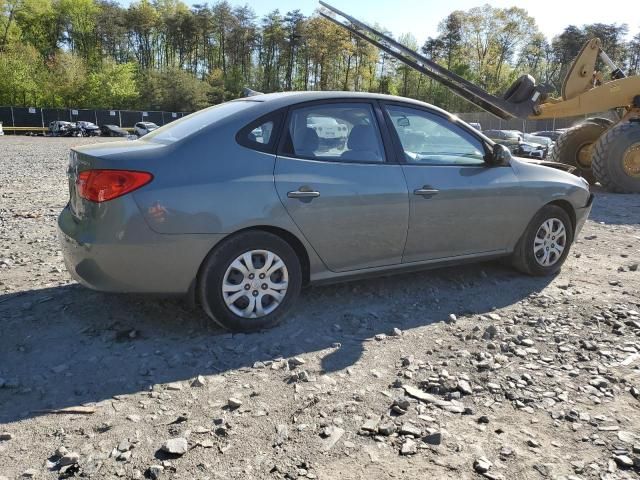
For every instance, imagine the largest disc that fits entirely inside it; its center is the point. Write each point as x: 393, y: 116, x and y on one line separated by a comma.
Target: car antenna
x: 247, y: 92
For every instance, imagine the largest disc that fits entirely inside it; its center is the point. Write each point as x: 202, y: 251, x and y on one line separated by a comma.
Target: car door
x: 459, y: 205
x: 349, y: 199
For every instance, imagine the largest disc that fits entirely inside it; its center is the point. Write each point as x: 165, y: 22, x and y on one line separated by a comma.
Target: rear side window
x: 338, y: 132
x: 262, y: 134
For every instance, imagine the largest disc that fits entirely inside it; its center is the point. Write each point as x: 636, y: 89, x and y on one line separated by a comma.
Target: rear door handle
x: 426, y: 191
x: 303, y: 194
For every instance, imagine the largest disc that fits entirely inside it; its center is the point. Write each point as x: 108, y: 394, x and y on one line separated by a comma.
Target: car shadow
x: 68, y: 346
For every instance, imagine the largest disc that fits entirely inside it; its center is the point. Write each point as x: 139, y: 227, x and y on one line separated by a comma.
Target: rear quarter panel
x: 210, y: 184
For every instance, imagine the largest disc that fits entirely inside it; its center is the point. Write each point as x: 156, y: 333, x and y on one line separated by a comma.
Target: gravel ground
x: 470, y: 372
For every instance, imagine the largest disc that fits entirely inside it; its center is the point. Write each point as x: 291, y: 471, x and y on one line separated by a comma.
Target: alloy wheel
x: 255, y: 284
x: 550, y: 242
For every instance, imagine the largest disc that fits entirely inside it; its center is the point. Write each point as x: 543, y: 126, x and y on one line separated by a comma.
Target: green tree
x: 112, y: 86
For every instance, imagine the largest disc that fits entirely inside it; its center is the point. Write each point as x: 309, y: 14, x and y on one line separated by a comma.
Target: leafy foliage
x: 163, y: 54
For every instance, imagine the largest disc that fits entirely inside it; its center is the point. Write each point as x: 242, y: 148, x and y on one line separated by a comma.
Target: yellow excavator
x: 600, y: 149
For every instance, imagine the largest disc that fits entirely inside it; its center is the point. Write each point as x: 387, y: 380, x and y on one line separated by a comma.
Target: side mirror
x: 403, y: 122
x: 501, y: 155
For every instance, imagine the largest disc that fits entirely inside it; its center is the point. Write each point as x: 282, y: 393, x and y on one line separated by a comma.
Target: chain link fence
x: 31, y: 119
x: 24, y: 119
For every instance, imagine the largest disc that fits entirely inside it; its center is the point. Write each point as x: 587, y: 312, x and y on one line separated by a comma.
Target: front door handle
x: 426, y: 191
x: 303, y: 192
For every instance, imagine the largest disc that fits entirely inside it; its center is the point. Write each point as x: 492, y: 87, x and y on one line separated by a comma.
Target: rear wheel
x: 545, y: 244
x: 616, y: 159
x: 250, y: 281
x: 575, y: 147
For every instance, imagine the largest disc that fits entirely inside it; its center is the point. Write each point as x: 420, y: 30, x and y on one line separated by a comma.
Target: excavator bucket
x: 520, y: 101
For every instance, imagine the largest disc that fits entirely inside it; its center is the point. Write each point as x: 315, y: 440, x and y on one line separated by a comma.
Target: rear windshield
x: 195, y: 122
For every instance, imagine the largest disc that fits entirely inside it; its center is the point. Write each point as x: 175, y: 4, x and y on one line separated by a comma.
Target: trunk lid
x: 121, y: 155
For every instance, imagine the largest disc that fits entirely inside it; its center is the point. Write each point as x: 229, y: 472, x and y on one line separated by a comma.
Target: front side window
x: 428, y: 139
x: 337, y: 132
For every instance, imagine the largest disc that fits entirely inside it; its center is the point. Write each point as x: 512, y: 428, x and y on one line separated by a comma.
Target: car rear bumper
x: 139, y: 261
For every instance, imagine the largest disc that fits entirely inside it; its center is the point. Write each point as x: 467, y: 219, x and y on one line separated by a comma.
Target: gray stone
x: 533, y: 443
x: 627, y: 437
x: 333, y: 436
x: 409, y: 447
x: 490, y: 332
x: 61, y: 451
x: 282, y: 434
x: 296, y: 362
x: 234, y: 403
x: 176, y: 446
x: 465, y: 387
x: 155, y: 471
x: 70, y: 458
x: 482, y: 465
x: 623, y: 461
x: 433, y: 438
x: 386, y: 429
x: 370, y: 425
x: 5, y: 436
x: 199, y: 381
x: 410, y: 429
x: 60, y: 368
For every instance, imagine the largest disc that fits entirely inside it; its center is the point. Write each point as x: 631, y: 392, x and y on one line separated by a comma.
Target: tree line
x: 165, y: 55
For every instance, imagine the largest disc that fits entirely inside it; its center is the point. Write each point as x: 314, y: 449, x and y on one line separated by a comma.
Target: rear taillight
x: 103, y: 185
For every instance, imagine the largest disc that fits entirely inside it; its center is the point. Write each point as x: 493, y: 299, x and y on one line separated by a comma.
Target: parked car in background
x: 508, y: 138
x: 244, y: 230
x: 539, y: 139
x: 517, y: 142
x: 143, y: 128
x: 545, y: 142
x: 113, y: 131
x: 61, y: 128
x: 88, y: 129
x: 552, y: 134
x: 476, y: 125
x: 331, y: 133
x: 530, y: 150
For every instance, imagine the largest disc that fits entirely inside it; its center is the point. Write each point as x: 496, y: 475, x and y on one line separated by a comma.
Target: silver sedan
x: 242, y: 204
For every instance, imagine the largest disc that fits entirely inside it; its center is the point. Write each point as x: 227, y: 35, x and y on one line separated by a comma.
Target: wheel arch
x: 567, y: 207
x: 285, y: 235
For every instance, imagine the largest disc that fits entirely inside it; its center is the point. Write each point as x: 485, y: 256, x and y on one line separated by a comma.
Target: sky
x: 421, y: 18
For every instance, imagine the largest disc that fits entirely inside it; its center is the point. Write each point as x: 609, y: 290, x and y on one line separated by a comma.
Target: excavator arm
x: 584, y: 92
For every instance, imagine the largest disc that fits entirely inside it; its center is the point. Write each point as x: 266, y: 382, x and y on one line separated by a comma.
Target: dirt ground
x: 461, y: 373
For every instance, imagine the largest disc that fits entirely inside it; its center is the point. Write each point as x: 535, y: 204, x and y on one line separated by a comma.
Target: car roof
x: 285, y: 99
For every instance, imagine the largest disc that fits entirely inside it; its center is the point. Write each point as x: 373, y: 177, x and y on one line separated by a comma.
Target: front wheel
x: 575, y: 147
x: 545, y: 244
x: 250, y: 281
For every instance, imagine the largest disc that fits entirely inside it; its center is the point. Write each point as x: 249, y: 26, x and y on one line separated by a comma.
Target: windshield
x: 195, y: 122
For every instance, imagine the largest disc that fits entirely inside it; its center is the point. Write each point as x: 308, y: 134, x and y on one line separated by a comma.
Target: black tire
x: 520, y: 90
x: 605, y: 122
x: 523, y: 257
x: 215, y: 266
x: 575, y: 146
x: 611, y: 152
